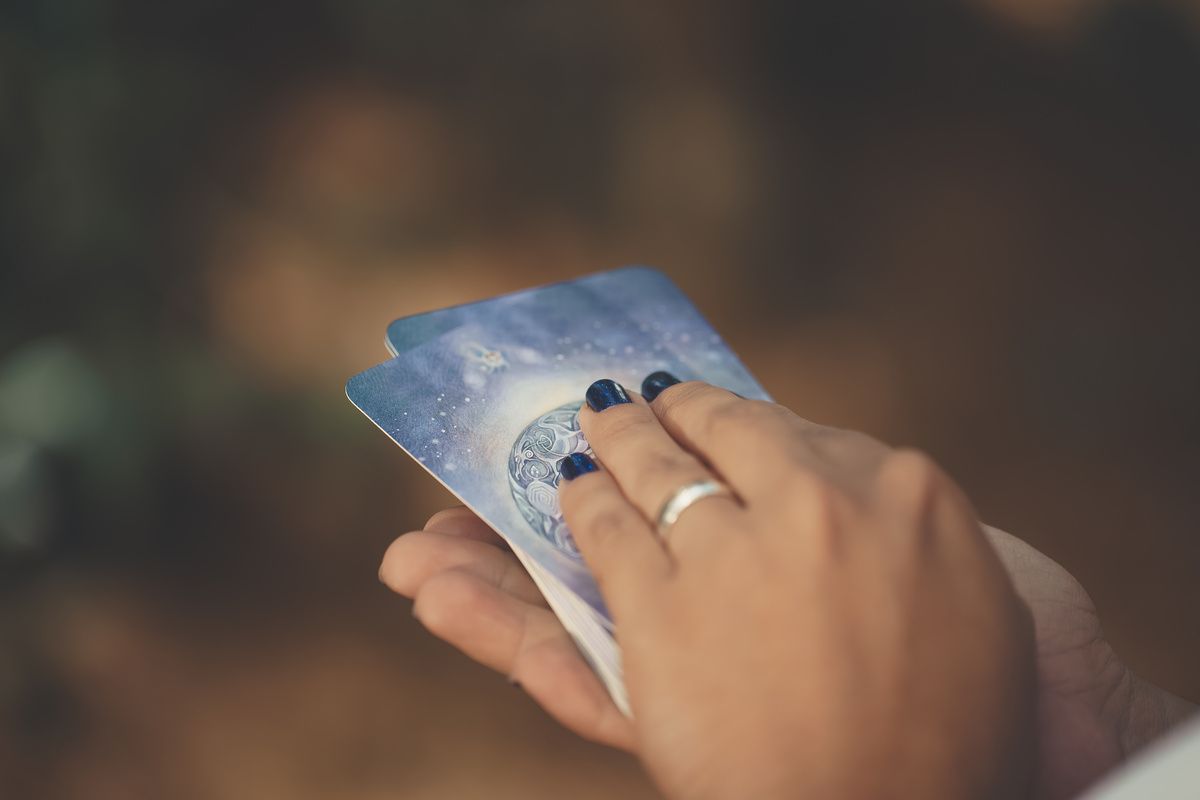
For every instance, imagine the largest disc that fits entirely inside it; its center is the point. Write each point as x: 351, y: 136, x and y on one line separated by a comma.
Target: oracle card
x: 485, y: 396
x: 622, y: 324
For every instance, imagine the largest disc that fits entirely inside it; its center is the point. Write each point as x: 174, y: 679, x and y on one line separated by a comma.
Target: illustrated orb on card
x: 533, y: 472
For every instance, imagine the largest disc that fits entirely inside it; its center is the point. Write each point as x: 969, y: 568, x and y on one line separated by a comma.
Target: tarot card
x: 485, y: 396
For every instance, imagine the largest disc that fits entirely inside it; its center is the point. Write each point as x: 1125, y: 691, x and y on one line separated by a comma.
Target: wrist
x: 1151, y: 713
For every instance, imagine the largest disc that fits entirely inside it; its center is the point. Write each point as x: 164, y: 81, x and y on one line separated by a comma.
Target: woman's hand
x: 843, y: 629
x: 1092, y: 712
x: 470, y: 590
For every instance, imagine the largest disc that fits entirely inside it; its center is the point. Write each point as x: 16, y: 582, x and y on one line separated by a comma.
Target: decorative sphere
x: 533, y: 472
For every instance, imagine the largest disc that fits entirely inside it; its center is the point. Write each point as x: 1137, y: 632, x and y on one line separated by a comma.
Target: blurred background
x: 966, y: 226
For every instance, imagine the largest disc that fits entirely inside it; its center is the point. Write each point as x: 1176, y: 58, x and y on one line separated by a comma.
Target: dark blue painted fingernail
x: 575, y: 465
x: 654, y: 384
x: 604, y: 393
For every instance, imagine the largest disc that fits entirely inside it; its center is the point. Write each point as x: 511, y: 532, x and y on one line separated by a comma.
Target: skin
x: 845, y: 627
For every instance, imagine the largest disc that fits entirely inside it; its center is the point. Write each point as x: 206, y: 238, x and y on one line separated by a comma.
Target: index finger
x: 620, y: 548
x: 753, y: 444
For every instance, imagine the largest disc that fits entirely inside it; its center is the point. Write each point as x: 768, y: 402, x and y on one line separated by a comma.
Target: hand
x: 847, y: 630
x: 1092, y: 712
x: 470, y: 590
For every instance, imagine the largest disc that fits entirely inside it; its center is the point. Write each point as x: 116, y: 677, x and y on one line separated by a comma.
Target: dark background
x: 965, y: 226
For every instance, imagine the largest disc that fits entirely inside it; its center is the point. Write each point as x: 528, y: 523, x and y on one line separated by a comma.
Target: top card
x: 485, y: 395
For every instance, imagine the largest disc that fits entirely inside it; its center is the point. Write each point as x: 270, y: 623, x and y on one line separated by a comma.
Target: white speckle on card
x: 435, y: 441
x: 441, y: 413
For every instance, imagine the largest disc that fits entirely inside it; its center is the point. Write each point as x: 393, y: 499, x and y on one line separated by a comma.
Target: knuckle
x: 721, y: 420
x: 677, y: 399
x: 812, y: 504
x: 910, y: 481
x: 617, y: 423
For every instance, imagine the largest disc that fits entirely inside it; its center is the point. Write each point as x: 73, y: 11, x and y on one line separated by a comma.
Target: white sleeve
x: 1167, y: 770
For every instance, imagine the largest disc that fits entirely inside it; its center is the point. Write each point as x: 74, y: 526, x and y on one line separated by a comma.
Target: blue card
x: 532, y: 355
x: 485, y: 396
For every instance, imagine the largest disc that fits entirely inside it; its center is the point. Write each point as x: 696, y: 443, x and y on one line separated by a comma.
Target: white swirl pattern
x: 533, y: 472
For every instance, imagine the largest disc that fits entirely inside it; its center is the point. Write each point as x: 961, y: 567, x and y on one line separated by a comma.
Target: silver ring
x: 682, y: 498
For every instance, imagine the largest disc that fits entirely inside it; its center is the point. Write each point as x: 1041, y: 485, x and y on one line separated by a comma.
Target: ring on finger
x: 682, y: 498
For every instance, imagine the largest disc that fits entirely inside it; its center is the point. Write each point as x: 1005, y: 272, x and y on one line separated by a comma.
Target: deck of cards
x: 486, y: 397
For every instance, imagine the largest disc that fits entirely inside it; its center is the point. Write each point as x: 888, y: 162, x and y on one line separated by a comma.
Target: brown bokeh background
x: 969, y: 227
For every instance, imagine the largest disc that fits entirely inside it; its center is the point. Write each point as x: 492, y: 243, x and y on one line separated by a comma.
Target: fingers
x: 647, y: 464
x: 462, y: 522
x: 528, y: 644
x: 751, y: 443
x: 416, y: 557
x: 617, y: 543
x: 562, y: 683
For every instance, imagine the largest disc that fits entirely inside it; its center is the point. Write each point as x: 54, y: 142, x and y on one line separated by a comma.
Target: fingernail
x: 604, y: 393
x: 575, y: 465
x: 414, y: 613
x: 654, y: 384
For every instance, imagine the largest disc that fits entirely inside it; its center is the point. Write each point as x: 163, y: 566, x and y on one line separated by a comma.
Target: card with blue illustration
x: 485, y: 396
